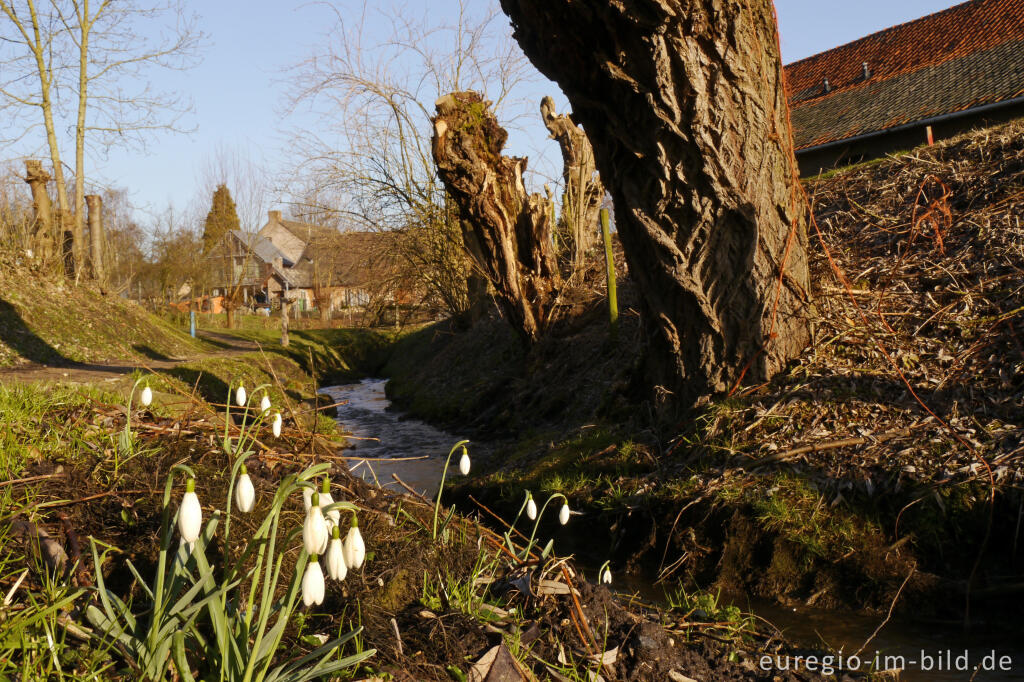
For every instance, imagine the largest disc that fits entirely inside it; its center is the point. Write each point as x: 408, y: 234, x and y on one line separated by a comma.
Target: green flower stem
x: 440, y: 489
x: 540, y: 515
x: 165, y: 545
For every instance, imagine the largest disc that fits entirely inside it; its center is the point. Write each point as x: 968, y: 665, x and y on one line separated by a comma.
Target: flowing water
x: 392, y: 443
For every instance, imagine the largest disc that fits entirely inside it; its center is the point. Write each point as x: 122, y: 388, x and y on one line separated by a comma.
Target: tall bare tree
x: 684, y: 103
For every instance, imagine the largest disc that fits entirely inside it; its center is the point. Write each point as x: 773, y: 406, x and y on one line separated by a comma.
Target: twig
x: 888, y: 615
x: 90, y: 498
x: 40, y: 477
x: 408, y: 488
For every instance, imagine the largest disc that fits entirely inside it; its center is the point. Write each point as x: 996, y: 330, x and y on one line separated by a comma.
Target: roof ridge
x: 889, y: 29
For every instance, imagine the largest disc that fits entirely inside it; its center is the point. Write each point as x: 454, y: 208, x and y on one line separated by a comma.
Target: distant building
x: 305, y: 263
x: 953, y: 70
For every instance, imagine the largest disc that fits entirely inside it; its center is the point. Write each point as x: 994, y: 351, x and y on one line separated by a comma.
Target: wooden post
x: 284, y: 318
x: 609, y: 262
x: 95, y: 205
x: 930, y: 136
x: 42, y: 236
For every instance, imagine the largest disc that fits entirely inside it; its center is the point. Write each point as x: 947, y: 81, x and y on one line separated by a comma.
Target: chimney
x: 865, y: 71
x: 274, y: 216
x: 826, y: 86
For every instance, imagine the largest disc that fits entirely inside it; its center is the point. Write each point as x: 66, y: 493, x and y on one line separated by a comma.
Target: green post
x: 609, y: 260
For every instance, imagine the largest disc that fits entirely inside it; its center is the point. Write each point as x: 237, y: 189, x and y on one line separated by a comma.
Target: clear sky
x: 238, y: 90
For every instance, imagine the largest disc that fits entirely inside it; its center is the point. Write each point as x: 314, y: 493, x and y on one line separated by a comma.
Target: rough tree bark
x: 43, y: 235
x: 683, y: 101
x: 513, y: 230
x: 583, y: 191
x: 94, y: 202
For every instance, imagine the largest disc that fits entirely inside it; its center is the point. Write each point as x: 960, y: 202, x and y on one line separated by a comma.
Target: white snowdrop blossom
x: 265, y: 403
x: 464, y: 463
x: 307, y: 498
x: 606, y: 576
x: 563, y: 514
x: 240, y: 396
x: 326, y: 500
x: 354, y: 550
x: 275, y: 426
x: 190, y: 515
x: 336, y: 567
x: 146, y: 397
x: 245, y: 492
x: 314, y: 528
x: 531, y: 509
x: 313, y: 583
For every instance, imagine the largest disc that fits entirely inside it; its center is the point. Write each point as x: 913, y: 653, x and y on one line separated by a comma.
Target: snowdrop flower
x: 147, y: 396
x: 313, y: 582
x: 563, y: 514
x: 464, y: 463
x: 265, y: 403
x: 190, y: 515
x: 334, y: 516
x: 245, y: 493
x: 314, y: 528
x: 531, y: 508
x: 336, y: 567
x: 307, y: 497
x: 606, y: 576
x: 354, y: 550
x: 275, y: 426
x: 240, y: 396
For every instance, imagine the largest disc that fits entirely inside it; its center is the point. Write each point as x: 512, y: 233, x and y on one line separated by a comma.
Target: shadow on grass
x: 17, y: 335
x: 151, y: 353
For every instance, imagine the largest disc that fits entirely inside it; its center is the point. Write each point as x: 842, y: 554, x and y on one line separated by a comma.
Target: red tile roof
x: 965, y: 56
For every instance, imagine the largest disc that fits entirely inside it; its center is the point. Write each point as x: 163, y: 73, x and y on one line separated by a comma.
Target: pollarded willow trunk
x: 43, y: 234
x: 514, y: 241
x: 683, y: 101
x: 583, y: 191
x: 96, y: 237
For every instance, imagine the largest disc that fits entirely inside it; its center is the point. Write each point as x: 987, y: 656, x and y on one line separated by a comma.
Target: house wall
x: 287, y: 243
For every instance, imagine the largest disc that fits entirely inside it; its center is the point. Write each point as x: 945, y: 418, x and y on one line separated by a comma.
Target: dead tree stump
x: 42, y: 235
x: 514, y: 231
x: 583, y: 191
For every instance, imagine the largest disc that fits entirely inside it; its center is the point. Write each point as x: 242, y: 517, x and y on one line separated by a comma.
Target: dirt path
x: 83, y: 372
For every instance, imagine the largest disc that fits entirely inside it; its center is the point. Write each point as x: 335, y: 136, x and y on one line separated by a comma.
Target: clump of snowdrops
x: 228, y: 620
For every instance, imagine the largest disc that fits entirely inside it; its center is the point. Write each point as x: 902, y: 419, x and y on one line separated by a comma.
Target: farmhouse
x: 311, y: 265
x: 942, y: 74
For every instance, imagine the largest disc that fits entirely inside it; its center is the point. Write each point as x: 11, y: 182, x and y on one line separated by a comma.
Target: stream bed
x: 393, y: 443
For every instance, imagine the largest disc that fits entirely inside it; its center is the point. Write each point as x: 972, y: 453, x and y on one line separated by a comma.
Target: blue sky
x: 238, y: 90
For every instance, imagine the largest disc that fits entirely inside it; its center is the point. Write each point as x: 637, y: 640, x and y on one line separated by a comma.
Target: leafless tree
x: 93, y: 53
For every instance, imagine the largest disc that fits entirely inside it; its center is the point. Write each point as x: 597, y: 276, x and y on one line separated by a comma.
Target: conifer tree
x: 221, y: 219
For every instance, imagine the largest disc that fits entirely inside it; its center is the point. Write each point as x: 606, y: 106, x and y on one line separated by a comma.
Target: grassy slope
x: 51, y: 322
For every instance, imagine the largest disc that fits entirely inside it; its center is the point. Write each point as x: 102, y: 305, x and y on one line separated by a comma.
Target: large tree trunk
x: 513, y: 230
x: 583, y: 191
x: 683, y: 101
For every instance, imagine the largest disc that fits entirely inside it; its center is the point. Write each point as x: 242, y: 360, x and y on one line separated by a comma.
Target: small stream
x: 391, y: 443
x: 415, y: 452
